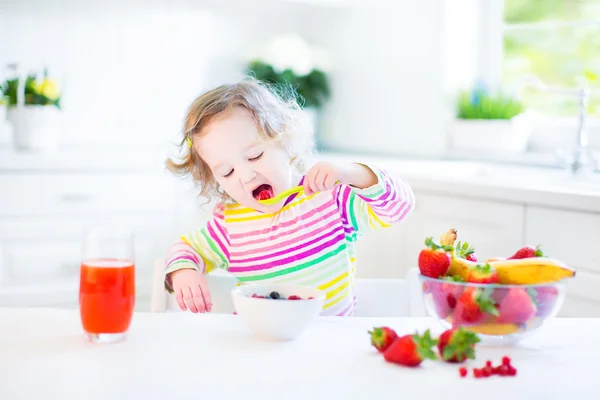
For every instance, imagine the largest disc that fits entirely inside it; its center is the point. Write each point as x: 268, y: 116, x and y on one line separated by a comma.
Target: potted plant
x: 33, y: 111
x: 489, y: 121
x: 312, y: 89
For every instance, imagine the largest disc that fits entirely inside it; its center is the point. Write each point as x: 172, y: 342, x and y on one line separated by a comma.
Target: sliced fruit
x: 494, y: 328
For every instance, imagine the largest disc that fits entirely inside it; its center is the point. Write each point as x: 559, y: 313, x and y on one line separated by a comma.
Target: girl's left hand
x: 321, y: 177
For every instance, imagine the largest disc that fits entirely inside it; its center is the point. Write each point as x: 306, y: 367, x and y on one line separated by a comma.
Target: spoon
x: 281, y: 196
x: 284, y: 194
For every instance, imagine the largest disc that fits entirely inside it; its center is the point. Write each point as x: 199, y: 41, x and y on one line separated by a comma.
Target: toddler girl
x: 244, y: 141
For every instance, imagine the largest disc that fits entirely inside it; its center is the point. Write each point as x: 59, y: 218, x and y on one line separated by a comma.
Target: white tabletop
x: 184, y: 355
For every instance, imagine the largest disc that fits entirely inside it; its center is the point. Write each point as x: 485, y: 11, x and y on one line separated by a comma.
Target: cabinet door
x: 572, y: 237
x: 494, y: 229
x: 40, y: 258
x: 381, y: 254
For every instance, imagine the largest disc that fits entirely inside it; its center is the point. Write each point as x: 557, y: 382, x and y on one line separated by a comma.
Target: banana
x: 535, y: 270
x: 493, y: 329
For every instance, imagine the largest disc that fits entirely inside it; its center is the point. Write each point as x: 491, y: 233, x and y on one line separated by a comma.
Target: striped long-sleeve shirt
x: 309, y: 242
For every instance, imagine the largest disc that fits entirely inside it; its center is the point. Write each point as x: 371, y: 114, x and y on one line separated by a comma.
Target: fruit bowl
x: 501, y: 314
x: 279, y: 312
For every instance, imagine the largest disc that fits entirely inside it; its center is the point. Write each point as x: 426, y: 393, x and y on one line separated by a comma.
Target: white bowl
x: 277, y: 319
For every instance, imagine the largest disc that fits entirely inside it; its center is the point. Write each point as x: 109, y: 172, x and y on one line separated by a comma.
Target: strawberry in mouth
x: 263, y: 192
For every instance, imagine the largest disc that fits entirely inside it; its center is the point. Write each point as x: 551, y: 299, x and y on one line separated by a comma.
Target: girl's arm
x: 203, y: 250
x: 371, y: 198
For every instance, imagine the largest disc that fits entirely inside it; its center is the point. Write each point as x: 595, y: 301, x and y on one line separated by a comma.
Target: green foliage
x: 479, y: 103
x: 566, y: 56
x: 44, y: 93
x: 312, y: 89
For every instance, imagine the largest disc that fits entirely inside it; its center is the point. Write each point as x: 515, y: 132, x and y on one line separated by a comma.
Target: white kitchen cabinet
x: 44, y: 213
x: 492, y: 228
x: 570, y: 236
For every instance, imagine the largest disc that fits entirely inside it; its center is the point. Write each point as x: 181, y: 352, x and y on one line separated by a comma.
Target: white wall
x: 131, y: 67
x: 389, y: 78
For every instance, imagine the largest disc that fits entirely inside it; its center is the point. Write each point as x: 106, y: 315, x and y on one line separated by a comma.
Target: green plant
x: 480, y: 103
x: 312, y: 89
x: 44, y: 92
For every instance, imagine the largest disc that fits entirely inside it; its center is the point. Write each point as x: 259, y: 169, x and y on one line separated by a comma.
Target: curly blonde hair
x: 275, y: 111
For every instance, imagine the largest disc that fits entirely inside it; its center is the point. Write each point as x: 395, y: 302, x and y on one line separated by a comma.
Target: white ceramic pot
x: 315, y: 118
x: 498, y: 136
x: 35, y: 127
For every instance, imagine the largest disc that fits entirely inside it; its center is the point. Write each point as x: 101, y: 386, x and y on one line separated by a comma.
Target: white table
x: 184, y: 355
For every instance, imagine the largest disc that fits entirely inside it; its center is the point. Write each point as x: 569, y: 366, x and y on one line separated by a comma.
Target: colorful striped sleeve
x: 203, y: 250
x: 379, y: 206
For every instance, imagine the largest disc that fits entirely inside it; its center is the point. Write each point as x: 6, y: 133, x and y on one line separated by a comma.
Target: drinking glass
x: 107, y: 283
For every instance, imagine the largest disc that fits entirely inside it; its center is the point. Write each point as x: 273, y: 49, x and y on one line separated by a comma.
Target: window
x: 559, y: 42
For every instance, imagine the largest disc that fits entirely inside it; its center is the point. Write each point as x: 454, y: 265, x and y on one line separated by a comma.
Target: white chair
x: 390, y: 297
x: 375, y: 297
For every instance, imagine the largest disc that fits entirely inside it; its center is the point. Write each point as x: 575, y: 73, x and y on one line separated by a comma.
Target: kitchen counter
x: 184, y: 355
x: 540, y: 186
x: 536, y: 185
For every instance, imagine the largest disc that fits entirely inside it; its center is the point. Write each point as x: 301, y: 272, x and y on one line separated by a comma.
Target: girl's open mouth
x: 263, y: 192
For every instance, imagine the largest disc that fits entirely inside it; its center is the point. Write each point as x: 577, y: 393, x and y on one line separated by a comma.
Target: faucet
x: 578, y: 158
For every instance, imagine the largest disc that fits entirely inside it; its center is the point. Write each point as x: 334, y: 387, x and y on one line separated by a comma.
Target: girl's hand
x: 321, y: 177
x: 325, y: 175
x: 191, y: 290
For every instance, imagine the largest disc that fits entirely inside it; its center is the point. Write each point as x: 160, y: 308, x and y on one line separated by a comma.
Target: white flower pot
x: 497, y: 136
x: 315, y: 118
x: 35, y: 127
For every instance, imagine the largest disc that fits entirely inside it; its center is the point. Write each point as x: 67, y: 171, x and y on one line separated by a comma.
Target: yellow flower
x: 48, y: 88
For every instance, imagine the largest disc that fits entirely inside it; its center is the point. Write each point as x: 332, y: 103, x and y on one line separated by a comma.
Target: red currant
x: 463, y: 371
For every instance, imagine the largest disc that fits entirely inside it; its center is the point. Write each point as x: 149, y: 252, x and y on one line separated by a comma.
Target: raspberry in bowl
x: 501, y: 314
x: 277, y: 311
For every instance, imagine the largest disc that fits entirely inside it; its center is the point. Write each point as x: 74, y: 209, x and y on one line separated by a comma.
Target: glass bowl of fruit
x: 277, y: 312
x: 502, y: 300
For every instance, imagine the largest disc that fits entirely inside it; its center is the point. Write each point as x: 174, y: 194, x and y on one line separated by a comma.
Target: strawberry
x: 464, y: 251
x: 456, y: 345
x: 516, y: 307
x: 411, y: 350
x: 544, y: 298
x: 527, y: 252
x: 445, y: 295
x: 264, y: 195
x: 434, y: 261
x: 483, y: 274
x: 472, y: 306
x: 382, y: 338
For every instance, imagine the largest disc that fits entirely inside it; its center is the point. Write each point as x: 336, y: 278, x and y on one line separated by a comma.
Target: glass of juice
x: 107, y: 283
